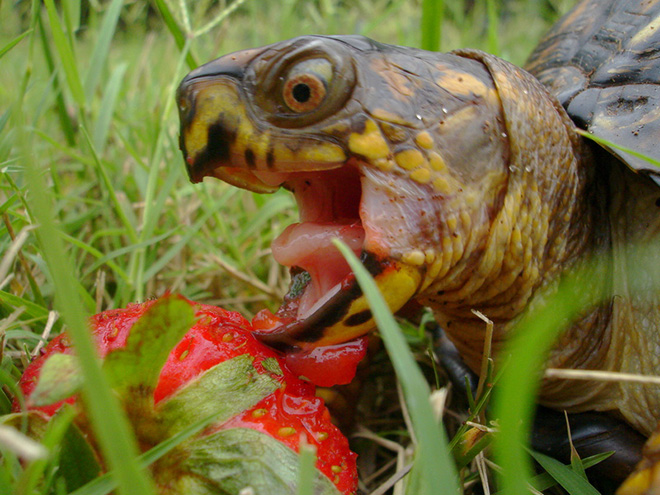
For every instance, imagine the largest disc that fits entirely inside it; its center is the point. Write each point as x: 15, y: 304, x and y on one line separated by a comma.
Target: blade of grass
x: 306, y: 469
x: 97, y: 254
x: 108, y: 104
x: 610, y: 144
x: 219, y: 18
x: 63, y: 116
x: 110, y: 425
x: 493, y: 38
x: 431, y: 24
x: 432, y: 457
x: 177, y: 33
x: 102, y: 47
x: 153, y: 209
x: 65, y: 51
x: 525, y: 354
x: 570, y: 480
x: 109, y: 187
x: 13, y: 42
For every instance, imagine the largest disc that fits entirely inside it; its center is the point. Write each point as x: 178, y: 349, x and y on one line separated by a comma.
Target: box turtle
x: 461, y: 182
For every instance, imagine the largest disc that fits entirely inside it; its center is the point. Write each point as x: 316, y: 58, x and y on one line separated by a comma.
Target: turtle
x: 462, y: 182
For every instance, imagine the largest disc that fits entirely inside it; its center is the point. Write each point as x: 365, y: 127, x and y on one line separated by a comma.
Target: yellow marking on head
x: 646, y: 32
x: 444, y: 261
x: 211, y: 100
x: 441, y: 184
x: 398, y: 283
x: 384, y: 164
x: 371, y: 144
x: 466, y: 220
x: 401, y: 87
x: 459, y: 118
x: 322, y: 153
x: 395, y: 134
x: 436, y: 162
x: 410, y: 159
x: 452, y: 223
x: 415, y: 257
x: 390, y: 117
x: 461, y: 83
x: 435, y: 268
x: 424, y: 140
x: 421, y: 175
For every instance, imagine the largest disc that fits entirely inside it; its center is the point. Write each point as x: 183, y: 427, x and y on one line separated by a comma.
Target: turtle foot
x: 591, y: 433
x: 646, y: 478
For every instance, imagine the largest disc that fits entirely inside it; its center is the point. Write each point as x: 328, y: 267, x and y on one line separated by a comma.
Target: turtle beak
x: 211, y: 112
x: 345, y: 314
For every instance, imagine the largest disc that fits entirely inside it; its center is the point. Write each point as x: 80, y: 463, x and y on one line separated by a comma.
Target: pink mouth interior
x: 329, y: 205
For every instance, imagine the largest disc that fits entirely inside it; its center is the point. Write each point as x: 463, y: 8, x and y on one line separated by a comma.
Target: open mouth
x: 329, y: 206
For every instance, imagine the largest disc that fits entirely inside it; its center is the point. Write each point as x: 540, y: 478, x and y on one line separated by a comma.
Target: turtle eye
x: 303, y: 92
x: 306, y: 85
x: 301, y: 84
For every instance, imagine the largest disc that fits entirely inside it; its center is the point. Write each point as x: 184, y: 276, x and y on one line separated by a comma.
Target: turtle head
x: 405, y: 155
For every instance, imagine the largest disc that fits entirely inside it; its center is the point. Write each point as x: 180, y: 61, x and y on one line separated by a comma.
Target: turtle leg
x: 646, y: 478
x: 591, y: 433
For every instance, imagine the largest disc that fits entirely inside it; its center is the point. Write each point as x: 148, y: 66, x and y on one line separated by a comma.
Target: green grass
x: 96, y: 208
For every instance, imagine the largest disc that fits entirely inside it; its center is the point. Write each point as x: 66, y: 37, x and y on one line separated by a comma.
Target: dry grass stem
x: 481, y: 427
x: 52, y: 318
x: 438, y: 400
x: 603, y: 376
x: 482, y: 468
x: 13, y: 251
x: 487, y: 351
x: 251, y: 281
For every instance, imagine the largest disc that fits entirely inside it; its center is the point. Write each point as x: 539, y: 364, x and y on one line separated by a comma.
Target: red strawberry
x: 324, y: 366
x: 217, y: 367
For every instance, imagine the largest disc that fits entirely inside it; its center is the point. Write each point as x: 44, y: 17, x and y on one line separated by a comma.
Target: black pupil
x: 302, y: 93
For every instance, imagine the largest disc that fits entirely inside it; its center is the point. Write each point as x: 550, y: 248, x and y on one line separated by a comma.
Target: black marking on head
x: 270, y: 157
x: 315, y: 325
x: 313, y: 328
x: 358, y: 318
x: 218, y: 142
x: 374, y: 265
x: 250, y: 159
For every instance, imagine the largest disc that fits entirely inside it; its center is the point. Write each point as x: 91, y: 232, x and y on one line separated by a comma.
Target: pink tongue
x: 308, y: 245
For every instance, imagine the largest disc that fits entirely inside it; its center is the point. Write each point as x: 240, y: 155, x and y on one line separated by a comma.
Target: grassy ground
x: 89, y: 152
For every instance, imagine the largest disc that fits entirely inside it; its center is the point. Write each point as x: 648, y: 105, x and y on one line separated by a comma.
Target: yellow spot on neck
x: 424, y: 140
x: 436, y: 162
x: 387, y: 116
x: 410, y: 159
x: 371, y: 144
x: 421, y: 175
x: 415, y: 257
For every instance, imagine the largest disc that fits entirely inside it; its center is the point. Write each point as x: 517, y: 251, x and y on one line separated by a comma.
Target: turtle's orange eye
x: 303, y: 92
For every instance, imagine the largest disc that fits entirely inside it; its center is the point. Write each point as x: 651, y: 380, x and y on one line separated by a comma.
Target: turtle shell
x: 602, y: 61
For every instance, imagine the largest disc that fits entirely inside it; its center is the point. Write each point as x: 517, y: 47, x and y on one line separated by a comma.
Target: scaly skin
x: 476, y: 193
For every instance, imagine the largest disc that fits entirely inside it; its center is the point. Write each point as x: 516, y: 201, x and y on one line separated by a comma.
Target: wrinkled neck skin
x: 498, y: 265
x: 508, y: 230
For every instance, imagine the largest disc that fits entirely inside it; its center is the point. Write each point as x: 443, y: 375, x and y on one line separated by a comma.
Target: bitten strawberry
x: 324, y: 366
x: 263, y: 411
